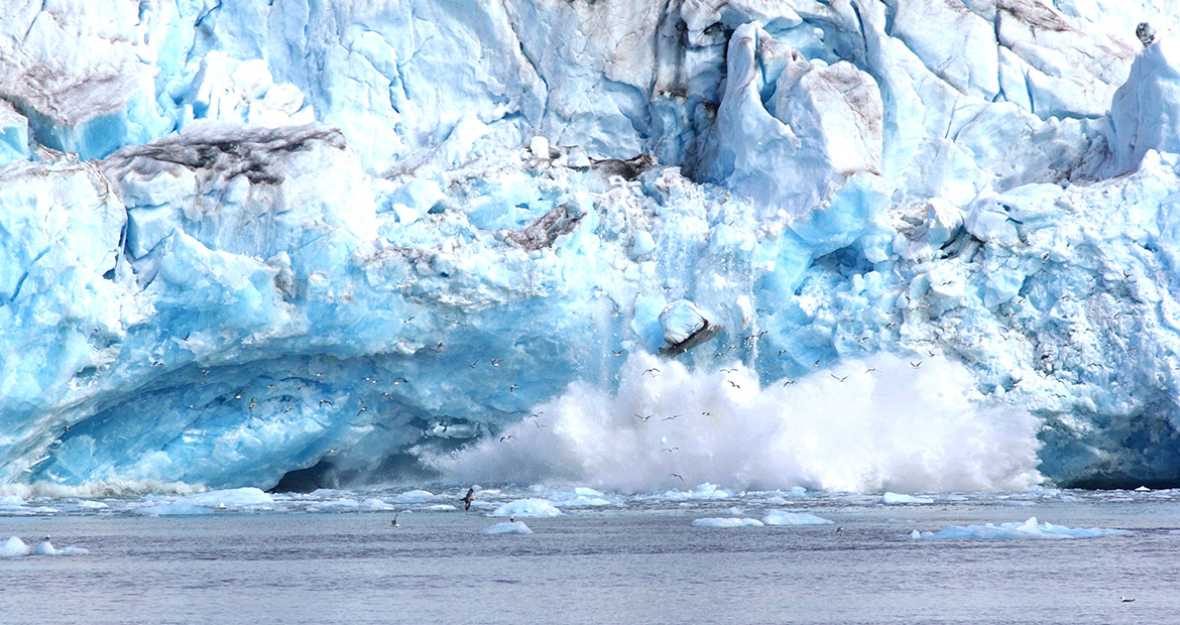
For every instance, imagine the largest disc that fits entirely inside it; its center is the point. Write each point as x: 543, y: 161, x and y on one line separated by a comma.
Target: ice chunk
x: 726, y: 522
x: 531, y: 507
x: 780, y: 517
x: 414, y: 496
x: 45, y: 548
x: 514, y: 527
x: 233, y: 497
x: 897, y: 498
x: 1029, y: 529
x: 175, y: 508
x: 13, y: 547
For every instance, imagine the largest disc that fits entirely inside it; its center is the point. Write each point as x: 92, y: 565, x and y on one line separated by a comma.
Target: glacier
x: 871, y: 245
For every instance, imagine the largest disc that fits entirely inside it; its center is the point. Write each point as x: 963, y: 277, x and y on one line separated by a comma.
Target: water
x: 636, y: 561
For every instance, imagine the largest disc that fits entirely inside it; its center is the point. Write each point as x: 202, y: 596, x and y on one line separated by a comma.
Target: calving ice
x: 860, y: 245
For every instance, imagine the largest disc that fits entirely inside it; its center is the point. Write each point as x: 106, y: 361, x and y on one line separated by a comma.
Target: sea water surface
x: 334, y: 557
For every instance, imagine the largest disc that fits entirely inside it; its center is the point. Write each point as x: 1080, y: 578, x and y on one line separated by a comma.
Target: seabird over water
x: 468, y: 498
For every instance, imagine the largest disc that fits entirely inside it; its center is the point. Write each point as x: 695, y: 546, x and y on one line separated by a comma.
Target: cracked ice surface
x: 371, y: 239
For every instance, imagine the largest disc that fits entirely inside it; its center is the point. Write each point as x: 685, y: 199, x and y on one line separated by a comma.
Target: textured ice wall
x: 200, y: 284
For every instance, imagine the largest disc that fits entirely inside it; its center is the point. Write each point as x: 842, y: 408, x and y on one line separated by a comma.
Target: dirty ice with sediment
x: 852, y: 246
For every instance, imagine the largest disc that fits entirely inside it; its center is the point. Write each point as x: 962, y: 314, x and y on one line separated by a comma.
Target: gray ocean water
x: 637, y: 561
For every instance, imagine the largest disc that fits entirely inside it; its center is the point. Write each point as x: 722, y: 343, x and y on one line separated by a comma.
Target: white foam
x: 515, y: 527
x: 531, y: 507
x: 779, y: 517
x: 727, y: 522
x: 895, y: 428
x: 1006, y: 531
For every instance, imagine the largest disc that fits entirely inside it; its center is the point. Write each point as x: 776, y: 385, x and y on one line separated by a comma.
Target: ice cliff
x: 330, y: 240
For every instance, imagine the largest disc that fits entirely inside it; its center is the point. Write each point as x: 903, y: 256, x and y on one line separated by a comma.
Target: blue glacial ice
x: 863, y: 246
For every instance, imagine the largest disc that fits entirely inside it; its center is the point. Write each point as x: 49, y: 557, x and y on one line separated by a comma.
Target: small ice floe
x: 87, y: 504
x: 528, y: 508
x: 779, y: 517
x: 897, y: 498
x: 510, y: 527
x: 44, y: 548
x: 175, y: 508
x: 13, y: 548
x: 373, y: 503
x: 727, y: 522
x: 1006, y: 531
x: 438, y: 507
x: 232, y: 498
x: 12, y: 505
x: 414, y: 496
x: 586, y: 502
x: 705, y: 491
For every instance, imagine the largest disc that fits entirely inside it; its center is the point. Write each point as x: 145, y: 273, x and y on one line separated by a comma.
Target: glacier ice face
x: 243, y: 241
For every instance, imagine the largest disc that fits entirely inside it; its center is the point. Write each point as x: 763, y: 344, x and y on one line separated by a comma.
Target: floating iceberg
x: 14, y: 547
x: 1005, y: 531
x: 531, y: 507
x: 780, y: 517
x: 897, y: 498
x: 726, y: 522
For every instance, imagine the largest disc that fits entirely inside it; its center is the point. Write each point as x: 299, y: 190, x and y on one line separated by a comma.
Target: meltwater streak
x: 889, y: 425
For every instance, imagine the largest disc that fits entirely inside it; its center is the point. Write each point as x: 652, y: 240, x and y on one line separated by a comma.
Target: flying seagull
x: 468, y: 498
x: 394, y: 521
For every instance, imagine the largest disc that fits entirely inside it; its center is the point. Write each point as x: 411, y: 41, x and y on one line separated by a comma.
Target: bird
x: 513, y: 387
x: 1123, y: 599
x: 916, y: 364
x: 472, y: 365
x: 788, y: 382
x: 617, y: 354
x: 654, y: 371
x: 468, y: 498
x: 727, y: 370
x: 408, y: 319
x: 670, y: 449
x: 253, y: 404
x: 496, y: 361
x: 733, y: 384
x: 781, y: 352
x: 438, y: 348
x: 1145, y: 33
x: 157, y: 363
x: 511, y: 519
x: 645, y: 418
x: 838, y: 379
x: 816, y: 365
x: 326, y: 401
x: 394, y: 521
x: 505, y: 437
x: 677, y: 476
x: 870, y: 369
x: 671, y: 418
x: 363, y: 409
